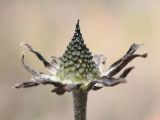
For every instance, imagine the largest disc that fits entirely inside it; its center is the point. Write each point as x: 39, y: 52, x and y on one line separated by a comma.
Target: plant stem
x: 80, y: 104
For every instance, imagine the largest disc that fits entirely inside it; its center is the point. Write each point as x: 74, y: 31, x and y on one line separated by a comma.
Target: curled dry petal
x: 40, y: 57
x: 44, y: 80
x: 55, y: 60
x: 33, y: 72
x: 39, y: 78
x: 109, y: 81
x: 26, y: 84
x: 55, y: 64
x: 126, y: 72
x: 122, y: 62
x: 100, y: 61
x: 52, y: 67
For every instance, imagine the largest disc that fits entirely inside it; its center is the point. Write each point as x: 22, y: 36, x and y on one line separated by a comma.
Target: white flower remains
x: 78, y: 69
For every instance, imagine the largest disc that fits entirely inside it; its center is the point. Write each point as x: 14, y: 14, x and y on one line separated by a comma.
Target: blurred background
x: 109, y: 27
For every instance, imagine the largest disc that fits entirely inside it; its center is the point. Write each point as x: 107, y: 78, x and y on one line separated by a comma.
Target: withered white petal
x: 100, y: 61
x: 33, y: 72
x: 46, y: 78
x: 51, y: 67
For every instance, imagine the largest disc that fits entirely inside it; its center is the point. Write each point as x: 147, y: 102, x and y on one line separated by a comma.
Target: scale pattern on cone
x: 76, y: 62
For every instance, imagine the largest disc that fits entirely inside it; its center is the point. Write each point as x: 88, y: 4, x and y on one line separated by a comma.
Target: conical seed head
x: 77, y: 63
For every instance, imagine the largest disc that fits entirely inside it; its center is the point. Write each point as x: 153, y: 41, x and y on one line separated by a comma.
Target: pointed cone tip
x: 78, y: 21
x: 77, y: 26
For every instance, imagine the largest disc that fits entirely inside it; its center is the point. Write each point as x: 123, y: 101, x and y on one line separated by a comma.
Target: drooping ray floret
x: 77, y: 63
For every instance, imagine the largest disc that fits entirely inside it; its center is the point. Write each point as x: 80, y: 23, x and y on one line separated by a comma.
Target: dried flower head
x: 78, y: 69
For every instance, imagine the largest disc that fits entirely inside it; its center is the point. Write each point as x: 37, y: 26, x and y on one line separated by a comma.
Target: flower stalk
x: 80, y: 104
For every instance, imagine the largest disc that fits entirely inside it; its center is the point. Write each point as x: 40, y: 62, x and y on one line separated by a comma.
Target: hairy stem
x: 80, y: 104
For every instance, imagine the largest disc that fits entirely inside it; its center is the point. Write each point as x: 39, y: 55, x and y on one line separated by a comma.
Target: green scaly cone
x: 76, y: 63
